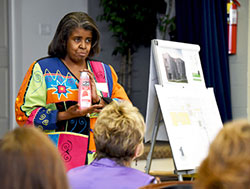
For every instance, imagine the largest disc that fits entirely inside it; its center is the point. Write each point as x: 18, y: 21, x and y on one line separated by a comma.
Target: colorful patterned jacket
x: 49, y: 87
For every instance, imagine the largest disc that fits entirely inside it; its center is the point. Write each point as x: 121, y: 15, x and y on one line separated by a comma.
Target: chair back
x: 170, y: 185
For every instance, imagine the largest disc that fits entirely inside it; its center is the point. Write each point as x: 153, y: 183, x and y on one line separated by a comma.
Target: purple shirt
x: 105, y: 173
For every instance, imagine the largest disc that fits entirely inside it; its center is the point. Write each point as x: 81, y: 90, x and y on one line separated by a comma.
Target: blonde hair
x: 228, y: 162
x: 119, y: 129
x: 30, y: 160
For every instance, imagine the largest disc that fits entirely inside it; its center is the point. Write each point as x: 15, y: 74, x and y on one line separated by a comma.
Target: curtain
x: 204, y: 22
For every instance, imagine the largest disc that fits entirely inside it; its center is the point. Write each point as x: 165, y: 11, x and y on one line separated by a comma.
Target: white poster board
x: 189, y: 110
x: 192, y: 121
x: 168, y: 58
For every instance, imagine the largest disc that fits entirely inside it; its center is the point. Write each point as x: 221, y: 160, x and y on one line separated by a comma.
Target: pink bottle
x: 84, y: 91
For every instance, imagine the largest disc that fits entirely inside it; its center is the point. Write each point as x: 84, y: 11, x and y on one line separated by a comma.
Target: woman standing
x: 49, y: 93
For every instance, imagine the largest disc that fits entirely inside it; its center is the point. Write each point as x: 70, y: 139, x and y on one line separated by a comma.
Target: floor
x: 162, y: 168
x: 161, y: 158
x: 162, y: 164
x: 157, y: 165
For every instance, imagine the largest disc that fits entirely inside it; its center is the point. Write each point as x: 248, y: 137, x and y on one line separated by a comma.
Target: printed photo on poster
x: 175, y: 68
x: 177, y: 63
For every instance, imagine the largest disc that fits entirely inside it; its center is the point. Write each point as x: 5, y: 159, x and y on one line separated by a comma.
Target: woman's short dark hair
x: 29, y: 159
x: 71, y: 21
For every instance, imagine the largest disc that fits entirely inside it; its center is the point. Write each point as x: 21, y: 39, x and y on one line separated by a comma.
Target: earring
x: 136, y: 162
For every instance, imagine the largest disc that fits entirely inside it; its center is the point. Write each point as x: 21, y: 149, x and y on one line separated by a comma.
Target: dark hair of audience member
x: 30, y: 160
x: 228, y: 162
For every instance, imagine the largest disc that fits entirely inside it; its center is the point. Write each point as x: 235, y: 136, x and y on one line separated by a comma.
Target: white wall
x: 4, y: 68
x: 28, y: 40
x: 239, y: 65
x: 248, y: 58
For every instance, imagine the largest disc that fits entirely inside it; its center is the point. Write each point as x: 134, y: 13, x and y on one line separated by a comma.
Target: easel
x: 150, y: 154
x: 156, y: 121
x: 154, y: 135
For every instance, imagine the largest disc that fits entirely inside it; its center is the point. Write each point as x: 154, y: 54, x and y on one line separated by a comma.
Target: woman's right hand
x: 74, y: 111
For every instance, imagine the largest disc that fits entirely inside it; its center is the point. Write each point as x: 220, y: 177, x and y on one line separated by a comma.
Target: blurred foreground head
x: 119, y: 132
x: 228, y: 162
x: 30, y: 160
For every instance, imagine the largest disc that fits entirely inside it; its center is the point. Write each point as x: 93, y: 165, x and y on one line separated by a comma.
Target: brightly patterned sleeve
x: 31, y: 107
x: 118, y: 91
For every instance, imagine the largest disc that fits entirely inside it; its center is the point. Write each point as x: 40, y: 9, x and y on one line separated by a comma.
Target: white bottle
x: 84, y: 91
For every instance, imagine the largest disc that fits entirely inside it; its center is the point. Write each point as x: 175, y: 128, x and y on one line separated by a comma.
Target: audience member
x: 227, y: 165
x: 118, y: 136
x: 30, y: 160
